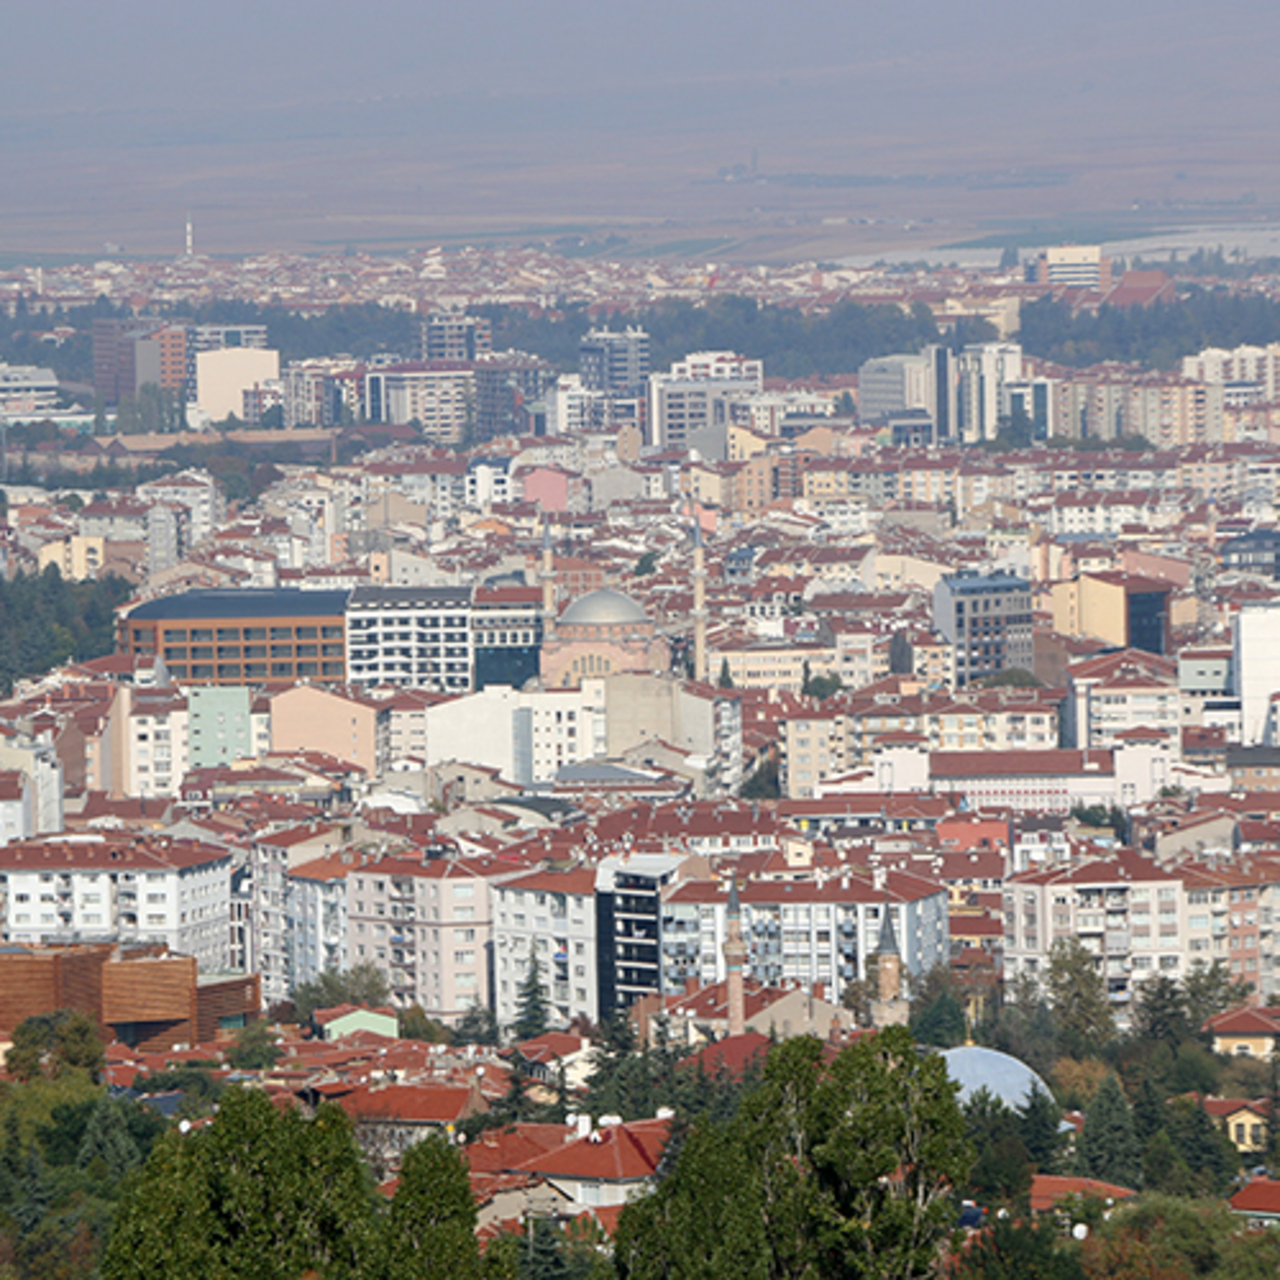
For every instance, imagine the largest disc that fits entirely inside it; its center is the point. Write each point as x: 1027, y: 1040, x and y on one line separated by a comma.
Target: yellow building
x: 78, y: 556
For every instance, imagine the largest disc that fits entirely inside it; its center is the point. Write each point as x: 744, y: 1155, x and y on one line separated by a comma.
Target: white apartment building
x: 316, y: 907
x: 149, y: 748
x: 818, y: 932
x: 527, y: 735
x: 103, y: 888
x: 439, y: 395
x: 1255, y: 667
x: 1134, y: 918
x: 197, y: 491
x: 27, y: 389
x: 720, y: 366
x: 550, y: 916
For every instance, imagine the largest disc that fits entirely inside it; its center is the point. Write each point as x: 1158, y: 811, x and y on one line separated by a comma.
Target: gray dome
x: 973, y: 1067
x: 603, y: 608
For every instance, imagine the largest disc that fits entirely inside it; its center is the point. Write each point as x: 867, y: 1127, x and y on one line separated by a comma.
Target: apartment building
x: 316, y: 910
x: 439, y: 395
x: 817, y: 932
x: 1138, y: 919
x: 1114, y: 693
x: 148, y: 889
x: 550, y: 917
x: 428, y: 925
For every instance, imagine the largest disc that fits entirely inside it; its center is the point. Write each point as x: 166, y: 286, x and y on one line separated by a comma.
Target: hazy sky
x: 163, y: 99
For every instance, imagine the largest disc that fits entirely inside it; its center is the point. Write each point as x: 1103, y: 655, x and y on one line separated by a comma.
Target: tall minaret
x: 191, y: 240
x: 735, y: 957
x: 548, y: 576
x: 699, y: 602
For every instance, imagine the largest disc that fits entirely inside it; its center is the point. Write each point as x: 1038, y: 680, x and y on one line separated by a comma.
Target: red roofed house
x: 609, y: 1166
x: 390, y: 1118
x: 345, y: 1019
x: 1047, y: 1189
x: 1246, y: 1032
x: 1259, y: 1202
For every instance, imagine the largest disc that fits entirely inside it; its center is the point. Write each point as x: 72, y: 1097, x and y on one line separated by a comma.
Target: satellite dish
x: 1080, y: 1231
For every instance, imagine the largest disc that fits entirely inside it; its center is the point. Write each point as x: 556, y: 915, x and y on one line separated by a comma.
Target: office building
x: 987, y: 619
x: 27, y: 389
x: 983, y: 369
x: 225, y: 374
x: 1075, y: 266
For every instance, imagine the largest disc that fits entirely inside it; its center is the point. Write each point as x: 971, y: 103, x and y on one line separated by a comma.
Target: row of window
x: 181, y: 653
x: 198, y: 635
x: 254, y: 670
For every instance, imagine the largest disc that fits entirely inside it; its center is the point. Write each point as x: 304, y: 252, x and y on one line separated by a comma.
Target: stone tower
x: 735, y: 958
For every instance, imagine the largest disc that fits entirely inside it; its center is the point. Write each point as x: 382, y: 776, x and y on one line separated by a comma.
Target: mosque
x: 599, y: 634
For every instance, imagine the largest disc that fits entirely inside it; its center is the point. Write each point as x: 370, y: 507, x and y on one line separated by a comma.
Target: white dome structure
x: 603, y: 608
x: 974, y: 1068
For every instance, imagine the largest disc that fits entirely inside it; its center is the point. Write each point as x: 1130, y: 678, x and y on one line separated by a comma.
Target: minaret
x: 889, y: 1009
x: 190, y: 238
x: 735, y: 957
x: 699, y: 602
x: 888, y: 958
x: 548, y: 576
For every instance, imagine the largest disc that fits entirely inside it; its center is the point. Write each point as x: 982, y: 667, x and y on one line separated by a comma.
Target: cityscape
x: 734, y: 731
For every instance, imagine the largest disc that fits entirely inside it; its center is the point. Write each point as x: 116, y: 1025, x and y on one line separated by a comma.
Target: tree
x: 842, y: 1169
x: 1160, y: 1011
x: 942, y: 1023
x: 646, y: 564
x: 1001, y: 1172
x: 1209, y: 990
x: 257, y: 1194
x: 1078, y: 996
x: 430, y: 1232
x: 254, y: 1048
x: 1164, y: 1169
x: 54, y: 1044
x: 415, y: 1025
x: 476, y: 1026
x: 107, y: 1147
x: 1015, y: 1250
x: 726, y: 676
x: 364, y: 985
x: 532, y: 1007
x: 764, y: 782
x: 1038, y: 1121
x: 1108, y: 1147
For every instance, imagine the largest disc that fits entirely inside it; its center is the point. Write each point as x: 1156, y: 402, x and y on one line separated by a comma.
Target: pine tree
x: 1038, y: 1121
x: 532, y: 1008
x: 1108, y: 1146
x: 1148, y: 1110
x: 544, y: 1257
x: 106, y: 1138
x: 1164, y: 1169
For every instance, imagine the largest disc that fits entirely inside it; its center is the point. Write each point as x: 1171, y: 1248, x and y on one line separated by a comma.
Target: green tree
x: 726, y: 676
x: 107, y: 1147
x: 477, y: 1026
x: 1160, y: 1011
x: 764, y: 782
x: 942, y: 1023
x: 533, y: 1010
x: 54, y: 1044
x: 1039, y: 1118
x: 1010, y: 1249
x: 544, y: 1258
x: 260, y: 1193
x: 1001, y: 1172
x: 1208, y: 1152
x: 646, y: 564
x: 832, y: 1170
x: 1108, y: 1148
x: 430, y: 1231
x: 1078, y: 996
x: 1209, y: 990
x: 1164, y: 1169
x: 415, y: 1025
x: 364, y: 985
x: 254, y: 1048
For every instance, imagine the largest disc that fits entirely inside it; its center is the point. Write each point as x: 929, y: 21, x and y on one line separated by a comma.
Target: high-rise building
x: 987, y: 618
x: 615, y: 363
x: 508, y: 384
x: 983, y: 370
x: 451, y: 336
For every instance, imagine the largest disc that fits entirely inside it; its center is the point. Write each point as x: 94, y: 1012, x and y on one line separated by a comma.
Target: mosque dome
x: 603, y: 608
x: 1007, y: 1078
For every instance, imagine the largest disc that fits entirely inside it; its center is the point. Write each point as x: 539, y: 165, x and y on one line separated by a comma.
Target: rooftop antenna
x: 190, y: 238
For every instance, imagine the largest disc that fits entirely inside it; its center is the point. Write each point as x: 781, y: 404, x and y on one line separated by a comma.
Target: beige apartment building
x: 344, y: 725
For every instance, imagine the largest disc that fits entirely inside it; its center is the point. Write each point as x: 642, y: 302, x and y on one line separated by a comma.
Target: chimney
x: 819, y: 990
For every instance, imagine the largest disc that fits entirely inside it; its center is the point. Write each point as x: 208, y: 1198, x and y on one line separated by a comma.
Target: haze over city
x: 308, y: 126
